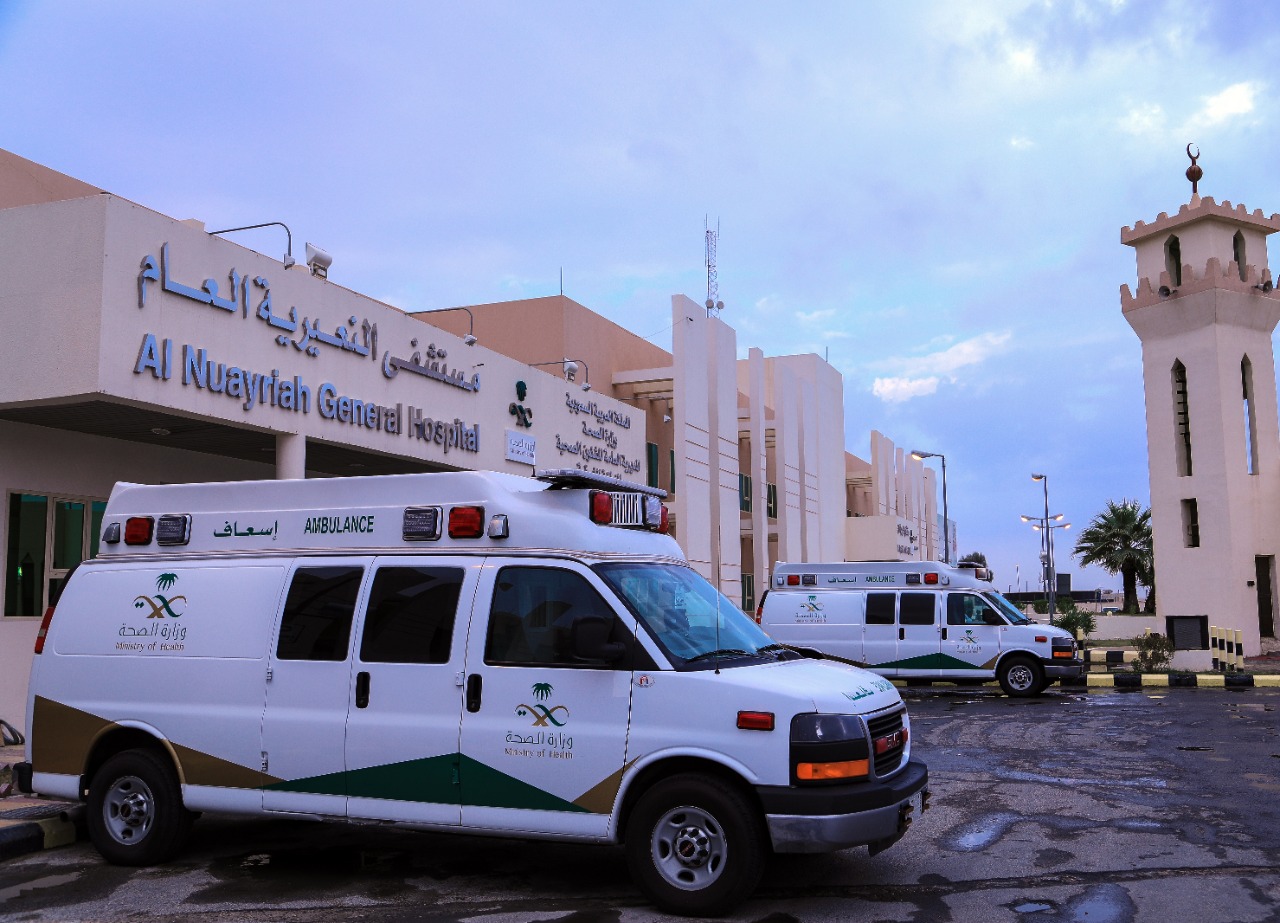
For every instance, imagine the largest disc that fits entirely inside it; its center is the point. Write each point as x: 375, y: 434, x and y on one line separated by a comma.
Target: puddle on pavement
x: 1197, y: 749
x: 1032, y: 907
x: 51, y: 881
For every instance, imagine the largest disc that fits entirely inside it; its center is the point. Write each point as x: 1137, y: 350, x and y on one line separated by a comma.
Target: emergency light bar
x: 574, y: 477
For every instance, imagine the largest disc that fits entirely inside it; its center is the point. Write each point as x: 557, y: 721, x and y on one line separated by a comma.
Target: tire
x: 696, y: 846
x: 1021, y: 677
x: 135, y: 814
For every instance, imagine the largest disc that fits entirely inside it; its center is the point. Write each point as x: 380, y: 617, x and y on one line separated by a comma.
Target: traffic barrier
x: 1238, y: 660
x: 1215, y: 646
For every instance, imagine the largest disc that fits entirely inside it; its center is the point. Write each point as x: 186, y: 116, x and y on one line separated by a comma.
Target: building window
x: 671, y: 487
x: 1181, y: 420
x: 748, y: 592
x: 1173, y: 260
x: 771, y: 500
x: 1238, y: 254
x: 744, y: 492
x: 1190, y: 523
x: 651, y: 456
x: 1250, y: 416
x: 48, y: 537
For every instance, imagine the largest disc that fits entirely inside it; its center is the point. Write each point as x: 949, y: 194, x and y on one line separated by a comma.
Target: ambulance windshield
x: 1007, y: 609
x: 681, y: 610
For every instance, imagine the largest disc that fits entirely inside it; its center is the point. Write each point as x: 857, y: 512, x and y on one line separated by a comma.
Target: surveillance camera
x: 570, y: 370
x: 586, y: 386
x: 319, y: 261
x: 469, y: 339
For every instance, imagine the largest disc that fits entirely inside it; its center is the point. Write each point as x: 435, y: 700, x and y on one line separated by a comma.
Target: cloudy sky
x: 929, y: 194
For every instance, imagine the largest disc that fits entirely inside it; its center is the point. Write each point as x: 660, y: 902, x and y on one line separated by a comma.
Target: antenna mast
x: 713, y: 282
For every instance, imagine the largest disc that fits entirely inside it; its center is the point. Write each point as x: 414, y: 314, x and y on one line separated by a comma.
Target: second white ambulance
x: 466, y: 652
x: 916, y: 620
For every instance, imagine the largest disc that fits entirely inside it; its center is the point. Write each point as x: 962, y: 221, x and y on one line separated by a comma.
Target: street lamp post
x: 1047, y: 523
x: 946, y: 522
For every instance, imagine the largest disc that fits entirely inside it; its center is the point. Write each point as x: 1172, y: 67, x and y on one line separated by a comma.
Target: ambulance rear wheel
x: 696, y: 845
x: 1021, y: 677
x: 135, y: 814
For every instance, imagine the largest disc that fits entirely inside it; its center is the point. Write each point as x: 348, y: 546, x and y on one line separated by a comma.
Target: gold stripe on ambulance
x: 63, y: 737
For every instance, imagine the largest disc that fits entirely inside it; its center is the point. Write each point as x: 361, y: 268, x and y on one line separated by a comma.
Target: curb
x: 1152, y: 680
x: 32, y: 824
x: 1174, y: 680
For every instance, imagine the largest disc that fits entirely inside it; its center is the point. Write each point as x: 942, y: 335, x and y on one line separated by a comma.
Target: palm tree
x: 1119, y: 541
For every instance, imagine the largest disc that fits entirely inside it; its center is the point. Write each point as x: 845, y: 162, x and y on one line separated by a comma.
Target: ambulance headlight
x: 828, y: 750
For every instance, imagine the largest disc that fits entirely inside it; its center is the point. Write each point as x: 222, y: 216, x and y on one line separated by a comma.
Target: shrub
x: 1154, y: 651
x: 1079, y: 622
x: 1041, y: 606
x: 1064, y: 604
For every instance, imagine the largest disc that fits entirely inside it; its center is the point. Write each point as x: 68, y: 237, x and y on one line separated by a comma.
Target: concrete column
x: 291, y: 456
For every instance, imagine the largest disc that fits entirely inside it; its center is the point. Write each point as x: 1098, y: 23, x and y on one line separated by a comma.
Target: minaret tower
x: 1205, y: 309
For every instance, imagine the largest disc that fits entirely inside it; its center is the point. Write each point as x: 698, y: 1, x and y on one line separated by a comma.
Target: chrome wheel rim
x: 1021, y: 677
x: 689, y: 848
x: 129, y: 810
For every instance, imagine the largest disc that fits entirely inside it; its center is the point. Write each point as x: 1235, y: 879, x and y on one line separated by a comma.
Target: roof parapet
x: 1215, y: 276
x: 1201, y: 207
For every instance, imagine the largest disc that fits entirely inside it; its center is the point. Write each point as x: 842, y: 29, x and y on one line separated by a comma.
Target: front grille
x: 884, y: 727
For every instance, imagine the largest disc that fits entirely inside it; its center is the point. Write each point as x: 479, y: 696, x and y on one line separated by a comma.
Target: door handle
x: 944, y: 632
x: 474, y: 685
x: 362, y: 689
x: 902, y: 633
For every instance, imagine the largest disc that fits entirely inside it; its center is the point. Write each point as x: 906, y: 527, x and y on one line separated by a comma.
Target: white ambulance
x: 918, y: 621
x: 471, y: 652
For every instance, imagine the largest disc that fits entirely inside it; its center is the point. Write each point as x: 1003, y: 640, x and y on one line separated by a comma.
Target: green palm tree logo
x: 165, y: 581
x: 542, y: 691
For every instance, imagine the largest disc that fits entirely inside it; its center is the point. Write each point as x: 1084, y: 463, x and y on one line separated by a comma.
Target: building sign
x: 908, y: 541
x: 521, y: 447
x: 358, y: 339
x: 274, y: 363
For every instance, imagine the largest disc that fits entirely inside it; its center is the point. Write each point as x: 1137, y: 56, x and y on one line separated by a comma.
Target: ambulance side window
x: 317, y: 613
x: 967, y: 609
x: 531, y: 619
x: 880, y: 608
x: 411, y: 615
x: 916, y: 609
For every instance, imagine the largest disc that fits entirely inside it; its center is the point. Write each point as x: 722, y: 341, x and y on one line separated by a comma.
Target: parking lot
x: 1098, y: 806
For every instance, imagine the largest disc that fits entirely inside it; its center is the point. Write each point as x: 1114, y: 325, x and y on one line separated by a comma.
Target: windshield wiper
x: 722, y: 652
x: 775, y: 648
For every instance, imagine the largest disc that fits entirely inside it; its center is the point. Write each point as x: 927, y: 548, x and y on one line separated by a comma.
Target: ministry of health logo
x: 160, y: 604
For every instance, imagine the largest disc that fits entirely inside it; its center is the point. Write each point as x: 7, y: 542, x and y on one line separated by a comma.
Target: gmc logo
x: 892, y: 742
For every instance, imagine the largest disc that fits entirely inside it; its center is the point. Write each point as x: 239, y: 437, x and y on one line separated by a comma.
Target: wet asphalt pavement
x: 1078, y: 807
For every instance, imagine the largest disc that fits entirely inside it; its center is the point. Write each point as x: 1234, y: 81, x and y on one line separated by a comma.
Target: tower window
x: 1173, y: 260
x: 1238, y: 254
x: 1190, y: 523
x: 1250, y: 416
x: 1181, y: 420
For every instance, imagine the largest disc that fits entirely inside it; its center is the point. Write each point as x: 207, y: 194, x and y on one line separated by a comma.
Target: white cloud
x: 1146, y: 119
x: 1235, y: 100
x: 948, y: 361
x: 1019, y: 143
x: 813, y: 317
x: 897, y: 390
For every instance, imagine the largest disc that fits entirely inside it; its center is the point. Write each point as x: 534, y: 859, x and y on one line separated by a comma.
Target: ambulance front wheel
x: 135, y: 814
x: 1021, y: 676
x: 696, y: 845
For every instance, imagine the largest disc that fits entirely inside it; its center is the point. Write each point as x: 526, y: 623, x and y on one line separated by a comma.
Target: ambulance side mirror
x: 590, y: 635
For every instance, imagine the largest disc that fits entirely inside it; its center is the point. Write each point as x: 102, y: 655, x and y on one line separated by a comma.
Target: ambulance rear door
x: 309, y: 687
x: 919, y: 634
x: 406, y: 696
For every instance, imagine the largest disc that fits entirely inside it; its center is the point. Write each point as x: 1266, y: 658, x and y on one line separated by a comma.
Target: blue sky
x: 930, y: 194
